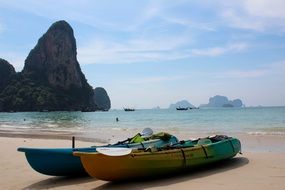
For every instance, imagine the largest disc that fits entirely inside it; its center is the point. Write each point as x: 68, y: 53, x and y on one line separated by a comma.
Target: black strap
x: 204, y: 149
x: 184, y: 158
x: 122, y: 142
x: 142, y: 145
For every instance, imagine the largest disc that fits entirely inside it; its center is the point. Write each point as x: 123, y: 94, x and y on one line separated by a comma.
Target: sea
x: 256, y: 122
x: 103, y: 125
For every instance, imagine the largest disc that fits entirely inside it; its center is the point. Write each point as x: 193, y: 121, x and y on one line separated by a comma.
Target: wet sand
x: 252, y: 170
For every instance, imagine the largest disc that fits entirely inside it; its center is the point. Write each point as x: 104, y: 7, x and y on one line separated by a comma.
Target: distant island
x: 222, y: 101
x: 181, y: 104
x: 101, y: 99
x: 156, y: 108
x: 51, y: 79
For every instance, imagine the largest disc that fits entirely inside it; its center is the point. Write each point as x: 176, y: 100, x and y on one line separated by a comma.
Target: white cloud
x: 155, y: 79
x: 258, y: 15
x: 271, y: 69
x: 106, y: 15
x: 190, y: 23
x: 266, y: 8
x: 217, y: 51
x: 152, y: 50
x: 135, y: 50
x: 237, y: 20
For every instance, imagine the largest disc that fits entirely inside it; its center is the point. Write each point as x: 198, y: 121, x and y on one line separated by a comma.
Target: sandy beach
x: 251, y: 170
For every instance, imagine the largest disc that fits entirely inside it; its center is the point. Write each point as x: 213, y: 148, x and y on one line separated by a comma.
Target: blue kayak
x: 61, y: 162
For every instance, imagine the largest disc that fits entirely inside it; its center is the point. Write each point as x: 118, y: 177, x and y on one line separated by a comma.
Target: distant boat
x: 129, y: 109
x: 180, y: 109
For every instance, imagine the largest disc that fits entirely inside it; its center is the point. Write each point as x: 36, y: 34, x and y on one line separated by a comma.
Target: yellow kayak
x: 152, y: 162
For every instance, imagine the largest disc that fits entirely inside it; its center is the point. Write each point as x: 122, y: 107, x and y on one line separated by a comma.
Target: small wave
x: 279, y: 133
x: 6, y: 126
x: 14, y: 127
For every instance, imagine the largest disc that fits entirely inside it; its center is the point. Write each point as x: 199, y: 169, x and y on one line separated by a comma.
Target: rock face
x: 218, y: 101
x: 54, y: 58
x: 6, y: 73
x: 102, y: 99
x: 51, y: 79
x: 222, y: 101
x: 181, y: 104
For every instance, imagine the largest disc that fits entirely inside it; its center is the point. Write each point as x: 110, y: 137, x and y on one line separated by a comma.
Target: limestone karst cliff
x: 102, y: 99
x: 51, y: 79
x: 6, y: 72
x: 222, y: 101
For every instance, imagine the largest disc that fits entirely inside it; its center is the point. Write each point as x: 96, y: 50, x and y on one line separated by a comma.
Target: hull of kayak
x: 55, y: 161
x: 61, y: 162
x: 144, y: 164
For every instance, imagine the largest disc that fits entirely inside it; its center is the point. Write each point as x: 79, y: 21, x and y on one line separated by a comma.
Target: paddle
x: 118, y: 151
x: 113, y: 151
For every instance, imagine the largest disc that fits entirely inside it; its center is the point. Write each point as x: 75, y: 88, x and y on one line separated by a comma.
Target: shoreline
x: 48, y: 135
x: 250, y: 142
x: 252, y: 170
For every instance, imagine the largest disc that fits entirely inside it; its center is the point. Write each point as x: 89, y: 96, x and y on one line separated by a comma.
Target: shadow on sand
x: 59, y: 182
x: 201, y: 172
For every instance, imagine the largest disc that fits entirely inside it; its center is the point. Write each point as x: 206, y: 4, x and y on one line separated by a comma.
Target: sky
x: 152, y: 53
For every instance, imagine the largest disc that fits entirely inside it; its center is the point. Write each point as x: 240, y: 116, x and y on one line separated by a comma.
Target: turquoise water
x: 263, y: 120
